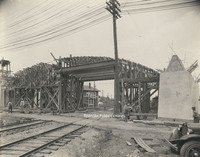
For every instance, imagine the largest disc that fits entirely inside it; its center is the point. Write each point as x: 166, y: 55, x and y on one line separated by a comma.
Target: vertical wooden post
x: 14, y: 101
x: 131, y: 94
x: 148, y: 102
x: 60, y: 96
x: 37, y: 97
x: 139, y: 95
x: 122, y: 96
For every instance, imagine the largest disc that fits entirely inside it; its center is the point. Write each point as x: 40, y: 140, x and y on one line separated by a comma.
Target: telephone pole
x: 113, y: 8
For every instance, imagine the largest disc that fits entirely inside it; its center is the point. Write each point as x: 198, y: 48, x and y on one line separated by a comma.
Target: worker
x: 127, y: 109
x: 22, y: 104
x: 10, y: 106
x: 195, y: 115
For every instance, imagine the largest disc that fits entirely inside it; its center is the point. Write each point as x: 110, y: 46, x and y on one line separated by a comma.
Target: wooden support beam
x: 144, y: 114
x: 122, y: 96
x: 92, y: 74
x: 137, y: 101
x: 52, y: 98
x: 60, y: 96
x: 98, y: 78
x: 142, y: 79
x: 89, y: 67
x: 139, y: 95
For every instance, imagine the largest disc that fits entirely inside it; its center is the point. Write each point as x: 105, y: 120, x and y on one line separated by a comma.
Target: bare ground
x: 106, y: 136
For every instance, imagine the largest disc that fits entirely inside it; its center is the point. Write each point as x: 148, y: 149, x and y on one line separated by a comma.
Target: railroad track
x: 17, y: 123
x: 44, y: 142
x: 23, y: 126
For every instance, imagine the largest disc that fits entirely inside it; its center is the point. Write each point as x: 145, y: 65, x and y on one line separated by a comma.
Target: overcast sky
x: 146, y: 38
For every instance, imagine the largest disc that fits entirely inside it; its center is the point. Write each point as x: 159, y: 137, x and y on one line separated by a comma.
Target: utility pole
x: 113, y: 8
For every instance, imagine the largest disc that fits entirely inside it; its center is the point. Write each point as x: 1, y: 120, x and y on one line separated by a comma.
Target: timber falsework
x: 60, y: 86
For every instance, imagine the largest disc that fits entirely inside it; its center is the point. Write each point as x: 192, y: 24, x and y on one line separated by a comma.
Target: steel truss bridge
x: 60, y: 87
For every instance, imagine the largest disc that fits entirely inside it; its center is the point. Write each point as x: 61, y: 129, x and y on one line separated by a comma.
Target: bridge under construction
x: 60, y: 86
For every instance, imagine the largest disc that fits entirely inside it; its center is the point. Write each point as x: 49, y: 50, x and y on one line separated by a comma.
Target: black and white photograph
x: 99, y: 78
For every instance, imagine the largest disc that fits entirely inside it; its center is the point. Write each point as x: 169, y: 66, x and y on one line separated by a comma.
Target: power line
x: 67, y: 33
x: 43, y: 20
x: 142, y: 3
x: 63, y: 26
x: 162, y: 8
x: 83, y: 19
x: 16, y: 18
x: 37, y: 15
x: 56, y: 26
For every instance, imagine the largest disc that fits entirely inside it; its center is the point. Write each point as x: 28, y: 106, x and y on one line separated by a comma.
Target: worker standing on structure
x: 195, y: 115
x: 10, y: 106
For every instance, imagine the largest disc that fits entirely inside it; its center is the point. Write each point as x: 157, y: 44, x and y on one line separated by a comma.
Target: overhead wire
x: 150, y: 2
x: 57, y: 22
x: 50, y: 35
x: 161, y: 8
x: 70, y: 32
x: 164, y: 4
x: 49, y: 32
x: 43, y: 20
x: 86, y: 20
x: 38, y: 14
x: 18, y: 18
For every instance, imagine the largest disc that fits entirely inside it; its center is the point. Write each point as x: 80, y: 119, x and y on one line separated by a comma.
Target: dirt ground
x: 106, y: 136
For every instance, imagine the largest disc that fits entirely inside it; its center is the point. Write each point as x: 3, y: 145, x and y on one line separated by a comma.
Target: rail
x: 49, y: 143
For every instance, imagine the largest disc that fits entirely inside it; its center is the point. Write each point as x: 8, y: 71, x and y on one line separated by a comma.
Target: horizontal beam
x: 143, y: 114
x: 95, y: 66
x: 99, y: 78
x: 85, y: 75
x: 142, y: 80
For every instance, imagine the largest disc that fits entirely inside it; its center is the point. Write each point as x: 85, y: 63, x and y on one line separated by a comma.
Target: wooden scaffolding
x: 60, y: 87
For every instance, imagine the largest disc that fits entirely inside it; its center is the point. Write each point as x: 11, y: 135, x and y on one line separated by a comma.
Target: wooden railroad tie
x: 52, y: 148
x: 66, y: 140
x: 45, y: 152
x: 58, y: 144
x: 77, y: 133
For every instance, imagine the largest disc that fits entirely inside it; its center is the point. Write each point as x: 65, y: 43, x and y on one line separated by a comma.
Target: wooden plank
x: 171, y: 145
x: 89, y: 66
x: 96, y: 73
x: 128, y: 143
x: 143, y: 114
x: 98, y: 78
x: 142, y: 144
x: 142, y: 79
x: 54, y: 148
x: 45, y: 152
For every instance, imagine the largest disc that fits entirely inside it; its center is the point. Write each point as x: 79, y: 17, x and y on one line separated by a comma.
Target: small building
x: 178, y: 92
x: 90, y: 96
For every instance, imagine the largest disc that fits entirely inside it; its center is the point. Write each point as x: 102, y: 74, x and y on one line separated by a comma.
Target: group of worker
x: 127, y: 110
x: 10, y: 106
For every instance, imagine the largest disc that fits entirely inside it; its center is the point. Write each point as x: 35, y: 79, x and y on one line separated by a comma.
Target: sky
x: 149, y: 38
